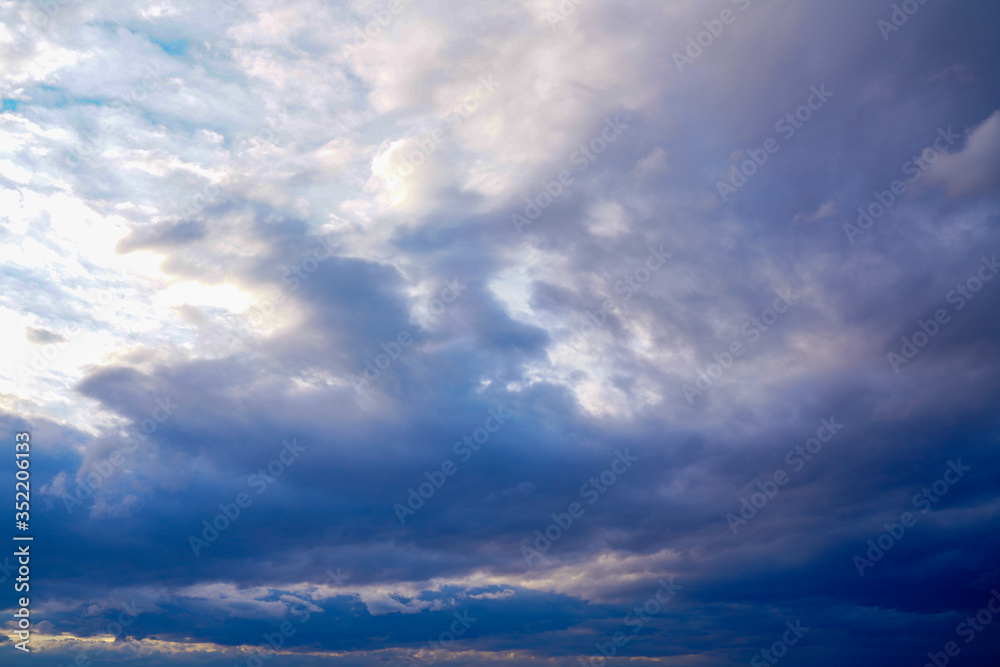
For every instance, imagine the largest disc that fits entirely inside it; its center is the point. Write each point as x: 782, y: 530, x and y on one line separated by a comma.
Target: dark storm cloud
x: 825, y: 359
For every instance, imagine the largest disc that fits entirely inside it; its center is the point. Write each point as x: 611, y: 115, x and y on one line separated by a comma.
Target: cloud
x: 43, y: 336
x: 207, y: 240
x: 976, y: 168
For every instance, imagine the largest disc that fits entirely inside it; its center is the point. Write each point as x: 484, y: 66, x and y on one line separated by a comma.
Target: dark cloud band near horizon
x: 549, y: 332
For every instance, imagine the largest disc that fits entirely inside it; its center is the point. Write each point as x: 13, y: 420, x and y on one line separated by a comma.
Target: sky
x: 537, y: 332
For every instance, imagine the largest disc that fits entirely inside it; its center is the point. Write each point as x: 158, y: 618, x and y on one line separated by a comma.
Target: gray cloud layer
x: 209, y: 208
